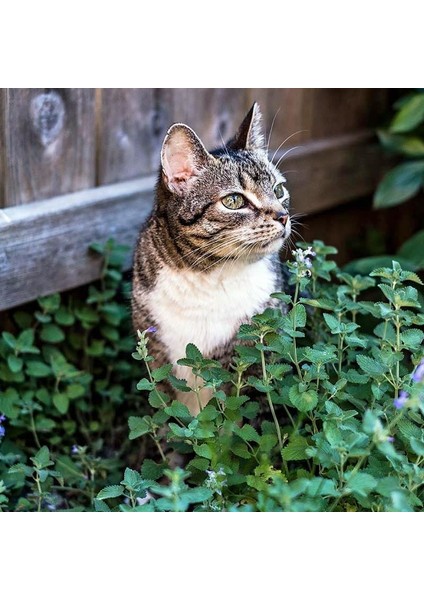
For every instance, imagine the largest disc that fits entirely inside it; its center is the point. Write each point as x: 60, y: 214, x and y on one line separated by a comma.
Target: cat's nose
x: 281, y: 216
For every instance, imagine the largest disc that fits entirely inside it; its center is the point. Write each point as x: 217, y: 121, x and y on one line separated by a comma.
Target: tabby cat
x: 207, y: 259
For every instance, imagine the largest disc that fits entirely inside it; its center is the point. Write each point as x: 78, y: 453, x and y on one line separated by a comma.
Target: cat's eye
x: 279, y: 190
x: 233, y: 201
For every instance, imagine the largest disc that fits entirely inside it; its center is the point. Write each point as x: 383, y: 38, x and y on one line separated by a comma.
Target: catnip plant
x: 321, y: 410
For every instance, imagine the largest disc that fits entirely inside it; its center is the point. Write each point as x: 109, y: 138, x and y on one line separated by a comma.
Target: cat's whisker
x: 270, y: 131
x: 286, y: 140
x: 286, y: 153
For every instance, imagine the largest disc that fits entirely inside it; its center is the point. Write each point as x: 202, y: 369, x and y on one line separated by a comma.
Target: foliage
x: 404, y: 136
x: 321, y: 410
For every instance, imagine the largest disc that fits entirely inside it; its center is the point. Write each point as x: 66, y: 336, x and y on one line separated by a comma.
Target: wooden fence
x: 79, y: 165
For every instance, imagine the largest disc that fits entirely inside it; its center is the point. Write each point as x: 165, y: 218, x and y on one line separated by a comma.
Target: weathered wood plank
x: 44, y: 245
x: 214, y: 113
x: 2, y: 141
x: 132, y: 124
x: 49, y: 143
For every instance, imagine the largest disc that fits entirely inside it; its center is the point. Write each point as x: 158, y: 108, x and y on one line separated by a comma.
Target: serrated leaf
x: 100, y: 506
x: 193, y: 353
x: 179, y: 384
x: 144, y: 384
x: 296, y: 448
x: 248, y: 433
x: 162, y: 372
x: 41, y: 459
x: 151, y: 470
x: 371, y: 366
x: 297, y: 315
x: 195, y: 495
x: 138, y: 426
x: 179, y: 411
x: 110, y: 491
x: 204, y: 451
x: 412, y: 338
x: 9, y: 339
x: 413, y: 250
x: 303, y: 401
x: 333, y: 323
x: 361, y: 483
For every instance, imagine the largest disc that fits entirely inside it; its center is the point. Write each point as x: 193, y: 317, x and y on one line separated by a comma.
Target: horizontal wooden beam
x: 44, y: 246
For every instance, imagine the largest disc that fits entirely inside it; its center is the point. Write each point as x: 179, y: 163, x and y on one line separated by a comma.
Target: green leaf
x: 52, y: 333
x: 111, y: 491
x: 248, y: 433
x: 100, y: 506
x: 162, y: 372
x: 9, y: 339
x: 193, y: 353
x: 370, y: 366
x: 49, y: 303
x: 297, y: 315
x: 145, y: 384
x: 417, y: 446
x: 303, y: 401
x: 8, y: 403
x: 151, y: 470
x: 138, y: 426
x: 179, y: 411
x: 64, y: 316
x: 412, y: 338
x: 75, y: 390
x: 195, y: 495
x: 413, y: 249
x: 295, y: 449
x: 179, y: 384
x: 410, y: 115
x: 204, y: 451
x: 361, y: 483
x: 61, y: 402
x: 42, y: 459
x: 399, y: 184
x: 14, y: 363
x: 333, y: 323
x: 37, y: 369
x: 411, y: 146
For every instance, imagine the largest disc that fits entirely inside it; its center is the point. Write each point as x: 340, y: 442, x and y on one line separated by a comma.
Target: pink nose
x: 282, y: 217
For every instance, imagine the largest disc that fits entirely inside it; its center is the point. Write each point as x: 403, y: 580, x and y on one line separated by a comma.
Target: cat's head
x: 229, y: 203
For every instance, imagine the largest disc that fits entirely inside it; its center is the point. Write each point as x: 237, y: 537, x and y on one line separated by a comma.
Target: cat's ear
x: 250, y: 135
x: 183, y: 156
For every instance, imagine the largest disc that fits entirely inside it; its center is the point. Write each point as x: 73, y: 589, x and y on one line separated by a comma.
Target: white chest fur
x: 208, y: 308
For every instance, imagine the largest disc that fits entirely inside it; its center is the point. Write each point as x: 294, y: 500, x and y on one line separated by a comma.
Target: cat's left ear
x: 183, y: 157
x: 250, y: 135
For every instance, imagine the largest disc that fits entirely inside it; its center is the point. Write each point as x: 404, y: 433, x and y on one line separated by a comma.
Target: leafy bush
x: 404, y: 136
x: 322, y: 409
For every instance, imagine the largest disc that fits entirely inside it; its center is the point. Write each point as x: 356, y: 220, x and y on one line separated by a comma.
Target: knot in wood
x: 47, y: 116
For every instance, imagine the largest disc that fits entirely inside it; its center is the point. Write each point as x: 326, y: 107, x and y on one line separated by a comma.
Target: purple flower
x: 2, y: 418
x: 2, y: 431
x: 390, y: 439
x: 418, y: 374
x: 74, y: 449
x: 401, y: 400
x: 151, y: 330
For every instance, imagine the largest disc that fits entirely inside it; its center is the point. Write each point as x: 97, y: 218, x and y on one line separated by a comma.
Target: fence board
x: 48, y: 143
x: 214, y: 114
x: 44, y: 245
x: 132, y: 124
x: 2, y: 148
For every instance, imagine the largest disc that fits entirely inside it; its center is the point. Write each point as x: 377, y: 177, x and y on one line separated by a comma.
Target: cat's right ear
x: 183, y: 157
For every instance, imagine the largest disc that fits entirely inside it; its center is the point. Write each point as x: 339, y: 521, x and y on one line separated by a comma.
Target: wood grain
x: 131, y: 126
x: 44, y: 245
x: 48, y: 143
x: 215, y: 114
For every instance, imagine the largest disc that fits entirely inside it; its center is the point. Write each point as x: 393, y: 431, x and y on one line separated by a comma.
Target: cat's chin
x: 272, y: 246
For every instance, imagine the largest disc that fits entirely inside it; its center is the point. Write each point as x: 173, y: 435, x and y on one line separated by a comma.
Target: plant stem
x: 33, y: 429
x: 268, y: 395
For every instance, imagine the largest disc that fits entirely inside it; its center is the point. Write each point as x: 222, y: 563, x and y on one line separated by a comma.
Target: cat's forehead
x: 249, y: 168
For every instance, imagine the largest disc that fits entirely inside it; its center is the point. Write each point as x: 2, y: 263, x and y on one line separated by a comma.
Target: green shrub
x: 322, y: 409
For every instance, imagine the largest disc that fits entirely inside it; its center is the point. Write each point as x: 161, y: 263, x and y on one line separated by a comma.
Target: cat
x: 207, y: 258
